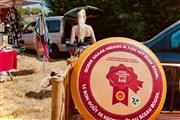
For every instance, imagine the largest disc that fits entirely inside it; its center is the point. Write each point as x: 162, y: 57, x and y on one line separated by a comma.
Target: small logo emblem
x: 135, y: 100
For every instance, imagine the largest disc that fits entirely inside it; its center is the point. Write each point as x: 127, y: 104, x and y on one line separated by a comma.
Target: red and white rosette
x: 122, y: 78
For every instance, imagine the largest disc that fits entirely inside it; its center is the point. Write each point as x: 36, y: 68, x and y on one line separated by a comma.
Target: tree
x: 56, y: 7
x: 35, y: 10
x: 24, y: 11
x: 136, y: 19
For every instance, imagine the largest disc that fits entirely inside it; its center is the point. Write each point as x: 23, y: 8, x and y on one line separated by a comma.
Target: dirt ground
x: 24, y: 98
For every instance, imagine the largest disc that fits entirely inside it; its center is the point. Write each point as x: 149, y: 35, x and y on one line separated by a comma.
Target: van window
x: 175, y: 40
x: 53, y: 26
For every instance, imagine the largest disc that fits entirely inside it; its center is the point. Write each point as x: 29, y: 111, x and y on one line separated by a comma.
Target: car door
x: 166, y: 44
x: 171, y: 48
x: 170, y: 52
x: 172, y: 55
x: 53, y: 27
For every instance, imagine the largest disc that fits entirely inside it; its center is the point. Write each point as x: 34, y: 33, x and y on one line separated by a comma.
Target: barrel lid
x: 118, y: 78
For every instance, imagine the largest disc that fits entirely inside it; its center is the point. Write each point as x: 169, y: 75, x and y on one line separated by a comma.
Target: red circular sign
x: 118, y: 78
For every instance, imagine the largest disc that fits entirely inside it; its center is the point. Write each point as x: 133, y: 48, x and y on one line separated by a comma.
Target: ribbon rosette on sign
x: 122, y: 78
x: 118, y: 79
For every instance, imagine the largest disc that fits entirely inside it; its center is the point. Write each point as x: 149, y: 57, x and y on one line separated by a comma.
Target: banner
x: 42, y: 39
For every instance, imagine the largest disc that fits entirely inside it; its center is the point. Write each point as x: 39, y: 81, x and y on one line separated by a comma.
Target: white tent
x: 5, y: 4
x: 17, y: 3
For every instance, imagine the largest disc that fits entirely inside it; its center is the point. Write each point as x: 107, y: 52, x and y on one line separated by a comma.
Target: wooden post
x: 179, y: 84
x: 62, y: 109
x: 57, y: 98
x: 69, y: 105
x: 173, y: 75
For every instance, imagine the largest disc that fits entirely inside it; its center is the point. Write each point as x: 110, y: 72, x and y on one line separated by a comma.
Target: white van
x: 59, y: 28
x: 55, y: 27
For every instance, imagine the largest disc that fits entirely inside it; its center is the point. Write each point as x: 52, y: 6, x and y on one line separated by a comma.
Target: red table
x: 8, y: 60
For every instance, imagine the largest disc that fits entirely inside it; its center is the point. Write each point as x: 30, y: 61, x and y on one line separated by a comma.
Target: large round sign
x: 118, y: 79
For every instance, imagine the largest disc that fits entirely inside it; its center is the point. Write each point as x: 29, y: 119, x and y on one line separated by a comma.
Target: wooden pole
x: 57, y: 98
x: 69, y: 104
x: 179, y: 84
x: 173, y: 75
x: 62, y: 105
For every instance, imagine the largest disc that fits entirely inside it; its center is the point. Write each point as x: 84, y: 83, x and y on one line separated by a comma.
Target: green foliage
x: 24, y: 11
x: 136, y: 19
x: 35, y: 10
x: 56, y: 7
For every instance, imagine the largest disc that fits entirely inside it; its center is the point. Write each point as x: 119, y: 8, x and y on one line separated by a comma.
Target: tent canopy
x: 5, y: 6
x: 17, y: 3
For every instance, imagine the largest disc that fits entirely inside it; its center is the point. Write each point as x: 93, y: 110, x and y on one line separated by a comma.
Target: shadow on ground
x: 40, y: 95
x: 22, y: 72
x: 32, y: 53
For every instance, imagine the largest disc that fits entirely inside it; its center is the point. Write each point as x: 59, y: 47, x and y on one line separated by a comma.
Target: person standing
x: 82, y: 34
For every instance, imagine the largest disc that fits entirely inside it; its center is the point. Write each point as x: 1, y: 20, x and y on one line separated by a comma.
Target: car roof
x: 54, y: 18
x: 51, y: 18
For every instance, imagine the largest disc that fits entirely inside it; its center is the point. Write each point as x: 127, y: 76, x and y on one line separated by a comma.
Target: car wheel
x: 53, y: 51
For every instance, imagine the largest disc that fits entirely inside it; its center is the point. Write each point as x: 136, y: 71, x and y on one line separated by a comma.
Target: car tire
x: 53, y: 51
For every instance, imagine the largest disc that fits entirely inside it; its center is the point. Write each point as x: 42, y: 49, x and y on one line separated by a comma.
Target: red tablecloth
x: 8, y: 60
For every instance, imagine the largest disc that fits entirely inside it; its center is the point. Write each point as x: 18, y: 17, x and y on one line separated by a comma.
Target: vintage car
x: 166, y: 44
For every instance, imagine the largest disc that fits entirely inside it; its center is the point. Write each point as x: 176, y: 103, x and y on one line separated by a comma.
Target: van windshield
x: 30, y: 28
